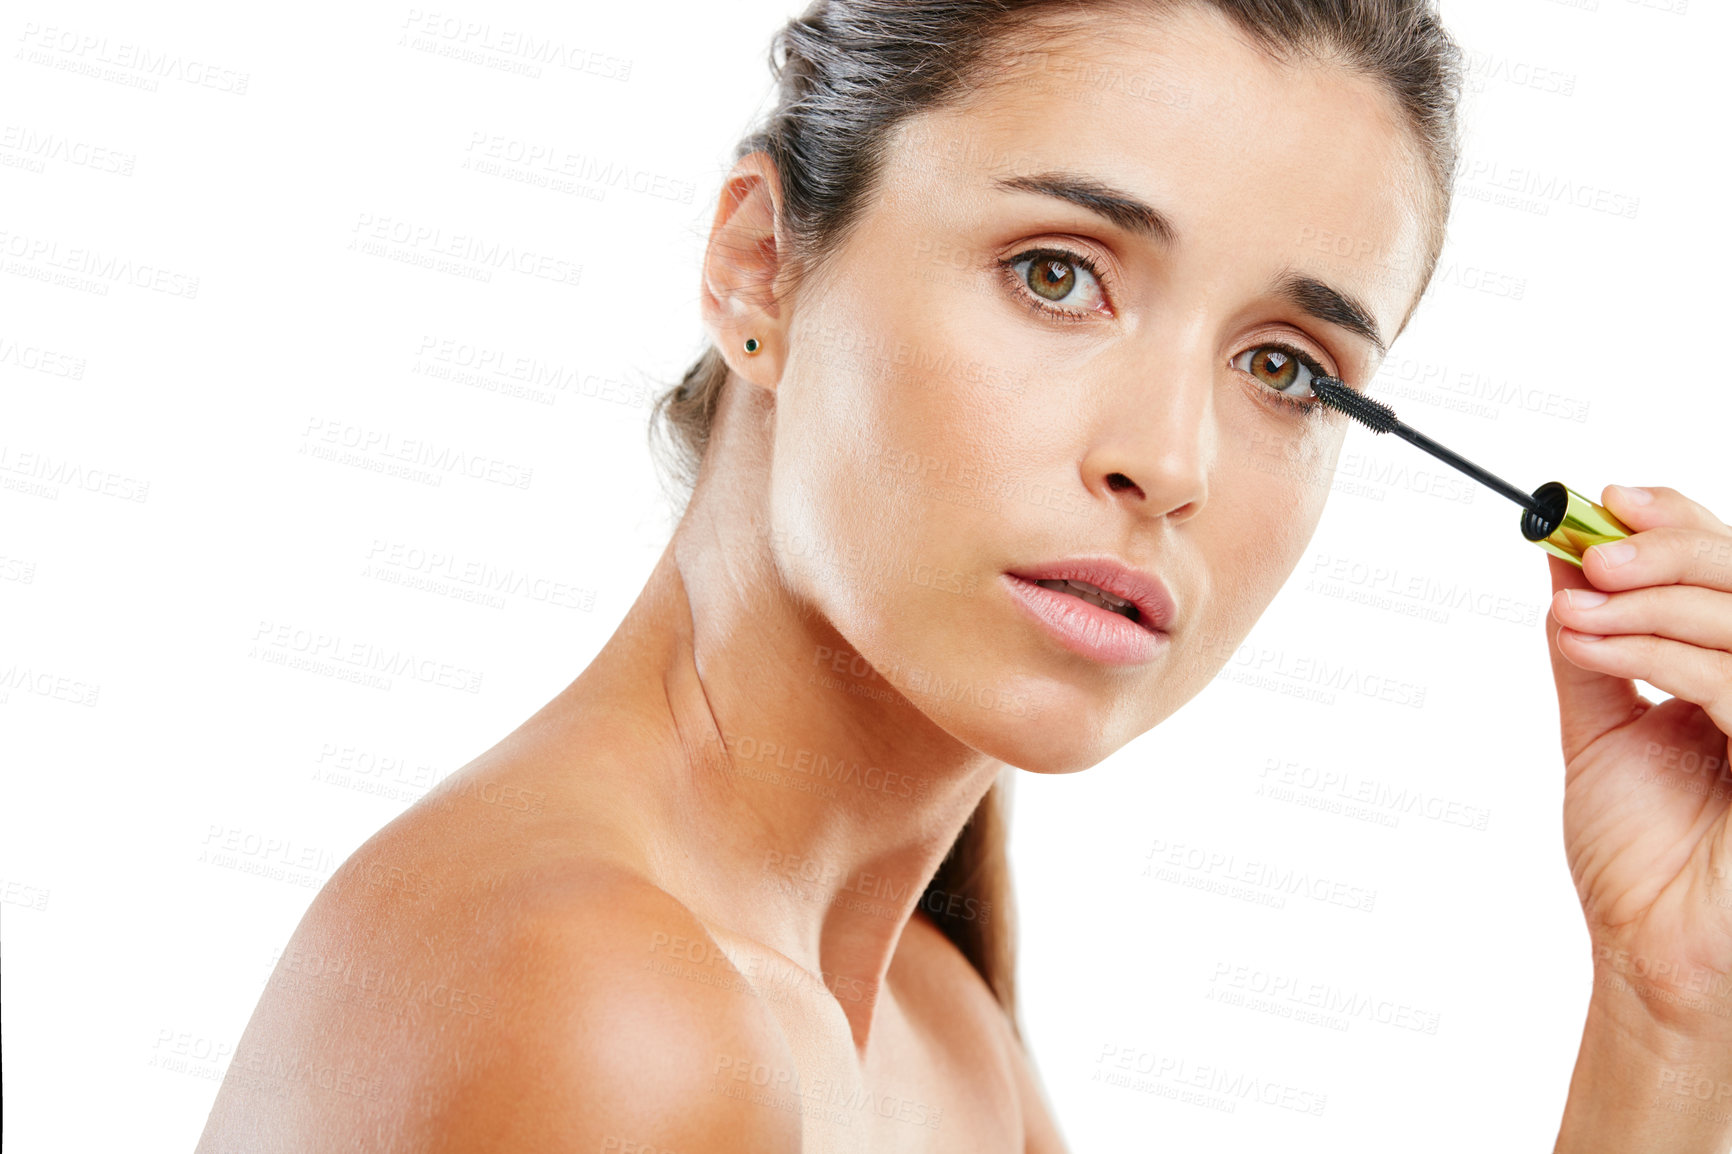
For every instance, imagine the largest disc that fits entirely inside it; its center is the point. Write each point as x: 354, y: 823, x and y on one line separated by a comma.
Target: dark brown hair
x: 849, y: 71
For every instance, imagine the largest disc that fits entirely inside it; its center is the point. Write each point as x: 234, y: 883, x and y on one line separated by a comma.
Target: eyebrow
x: 1308, y: 294
x: 1116, y: 205
x: 1314, y: 298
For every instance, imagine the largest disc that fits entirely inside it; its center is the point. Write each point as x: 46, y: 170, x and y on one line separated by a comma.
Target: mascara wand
x: 1555, y: 517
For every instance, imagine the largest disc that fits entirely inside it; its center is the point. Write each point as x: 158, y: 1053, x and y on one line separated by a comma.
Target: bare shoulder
x: 455, y: 989
x: 945, y: 994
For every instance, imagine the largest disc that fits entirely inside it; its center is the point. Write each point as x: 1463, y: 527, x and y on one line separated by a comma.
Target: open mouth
x: 1095, y: 596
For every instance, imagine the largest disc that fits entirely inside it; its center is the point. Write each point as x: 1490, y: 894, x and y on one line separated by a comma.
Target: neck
x: 806, y: 800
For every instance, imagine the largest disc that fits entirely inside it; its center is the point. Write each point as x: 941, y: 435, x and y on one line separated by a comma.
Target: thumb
x: 1589, y: 702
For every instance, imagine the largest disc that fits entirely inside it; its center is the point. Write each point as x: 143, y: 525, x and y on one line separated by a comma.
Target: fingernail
x: 1590, y: 637
x: 1614, y: 553
x: 1584, y: 598
x: 1634, y: 496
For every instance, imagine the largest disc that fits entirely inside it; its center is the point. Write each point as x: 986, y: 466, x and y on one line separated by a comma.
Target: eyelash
x: 1068, y: 256
x: 1311, y: 408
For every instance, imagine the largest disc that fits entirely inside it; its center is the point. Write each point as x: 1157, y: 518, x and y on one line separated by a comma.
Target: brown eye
x: 1282, y: 369
x: 1274, y: 367
x: 1058, y: 277
x: 1052, y: 279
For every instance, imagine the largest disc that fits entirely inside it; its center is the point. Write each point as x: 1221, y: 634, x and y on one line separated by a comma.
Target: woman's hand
x: 1647, y: 790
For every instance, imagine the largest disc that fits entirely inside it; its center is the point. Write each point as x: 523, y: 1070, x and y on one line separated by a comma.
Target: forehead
x: 1303, y: 163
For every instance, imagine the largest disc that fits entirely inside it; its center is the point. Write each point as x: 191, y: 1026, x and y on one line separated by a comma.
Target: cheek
x: 1280, y: 471
x: 906, y: 424
x: 1266, y: 502
x: 872, y: 479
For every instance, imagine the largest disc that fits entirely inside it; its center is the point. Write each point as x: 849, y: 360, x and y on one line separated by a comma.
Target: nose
x: 1153, y: 444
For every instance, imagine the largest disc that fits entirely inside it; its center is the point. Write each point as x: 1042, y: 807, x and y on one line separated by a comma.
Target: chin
x: 1058, y: 729
x: 1049, y: 749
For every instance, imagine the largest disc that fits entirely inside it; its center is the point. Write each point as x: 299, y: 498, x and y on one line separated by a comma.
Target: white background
x: 134, y: 955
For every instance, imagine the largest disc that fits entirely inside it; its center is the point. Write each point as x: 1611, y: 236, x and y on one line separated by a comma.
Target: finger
x: 1700, y: 540
x: 1590, y: 700
x: 1686, y: 613
x: 1663, y: 508
x: 1661, y: 556
x: 1703, y: 676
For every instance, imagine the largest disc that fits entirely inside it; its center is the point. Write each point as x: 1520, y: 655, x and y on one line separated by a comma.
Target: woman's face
x: 965, y: 397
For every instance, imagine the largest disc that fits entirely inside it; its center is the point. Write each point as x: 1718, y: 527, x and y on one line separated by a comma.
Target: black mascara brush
x: 1555, y: 517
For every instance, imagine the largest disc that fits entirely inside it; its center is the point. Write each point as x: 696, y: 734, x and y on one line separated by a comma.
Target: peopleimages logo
x: 1259, y: 882
x: 43, y: 475
x: 93, y: 55
x: 399, y: 563
x: 425, y: 244
x: 42, y: 254
x: 751, y: 754
x: 341, y: 440
x: 333, y: 655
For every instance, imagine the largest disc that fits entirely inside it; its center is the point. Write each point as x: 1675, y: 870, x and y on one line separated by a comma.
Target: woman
x: 1008, y: 292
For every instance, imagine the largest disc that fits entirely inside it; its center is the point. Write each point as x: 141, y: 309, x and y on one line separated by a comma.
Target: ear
x: 742, y: 271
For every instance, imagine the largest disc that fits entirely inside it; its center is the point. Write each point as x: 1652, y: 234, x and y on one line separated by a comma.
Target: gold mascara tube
x: 1565, y: 523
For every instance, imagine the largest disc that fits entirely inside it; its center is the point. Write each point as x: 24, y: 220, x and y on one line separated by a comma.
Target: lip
x: 1087, y: 629
x: 1144, y: 590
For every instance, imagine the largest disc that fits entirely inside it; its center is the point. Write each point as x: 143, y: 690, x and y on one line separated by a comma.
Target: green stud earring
x: 752, y: 345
